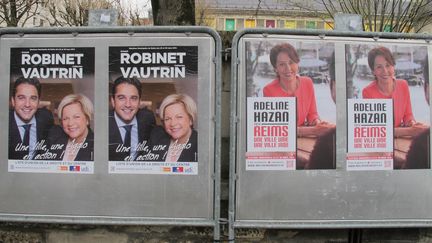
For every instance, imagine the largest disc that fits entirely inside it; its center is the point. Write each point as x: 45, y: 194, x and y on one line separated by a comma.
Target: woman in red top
x: 288, y: 83
x: 385, y: 86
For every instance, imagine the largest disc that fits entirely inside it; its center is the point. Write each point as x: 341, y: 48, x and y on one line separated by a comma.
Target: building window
x: 220, y: 24
x: 240, y: 24
x: 310, y: 25
x: 387, y: 28
x: 370, y: 28
x: 290, y: 24
x: 270, y: 23
x: 300, y: 24
x: 320, y: 25
x: 260, y: 23
x: 229, y: 24
x: 328, y: 26
x: 281, y: 23
x: 250, y: 23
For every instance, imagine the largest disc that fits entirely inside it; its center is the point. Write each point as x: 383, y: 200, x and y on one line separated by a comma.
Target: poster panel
x: 102, y: 197
x: 377, y: 196
x: 296, y: 74
x: 394, y: 76
x: 153, y: 110
x: 48, y: 132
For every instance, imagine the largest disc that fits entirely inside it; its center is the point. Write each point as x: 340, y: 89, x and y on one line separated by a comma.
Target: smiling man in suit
x: 129, y: 126
x: 28, y: 124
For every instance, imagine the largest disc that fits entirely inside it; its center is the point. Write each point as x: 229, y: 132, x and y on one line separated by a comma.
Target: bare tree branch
x: 180, y: 12
x: 17, y: 12
x: 73, y: 12
x: 381, y: 15
x: 258, y: 9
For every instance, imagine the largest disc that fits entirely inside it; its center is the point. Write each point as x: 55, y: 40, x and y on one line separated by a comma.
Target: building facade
x: 226, y: 15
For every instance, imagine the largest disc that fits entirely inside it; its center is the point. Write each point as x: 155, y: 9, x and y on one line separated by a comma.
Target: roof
x: 260, y: 4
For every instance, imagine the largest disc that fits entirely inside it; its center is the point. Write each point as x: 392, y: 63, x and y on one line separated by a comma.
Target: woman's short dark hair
x: 380, y: 51
x: 285, y: 47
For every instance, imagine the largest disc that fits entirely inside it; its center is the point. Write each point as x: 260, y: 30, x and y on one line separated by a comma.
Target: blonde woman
x: 73, y: 141
x: 177, y: 140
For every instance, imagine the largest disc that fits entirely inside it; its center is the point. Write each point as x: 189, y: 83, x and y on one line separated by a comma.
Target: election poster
x: 388, y: 107
x: 291, y: 110
x: 153, y: 110
x: 51, y: 110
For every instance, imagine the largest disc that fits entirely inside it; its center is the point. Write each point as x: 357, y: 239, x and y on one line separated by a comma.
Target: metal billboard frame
x: 216, y: 120
x: 237, y: 121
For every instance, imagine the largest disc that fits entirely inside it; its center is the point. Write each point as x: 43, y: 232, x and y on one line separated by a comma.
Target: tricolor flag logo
x: 74, y: 168
x: 177, y: 169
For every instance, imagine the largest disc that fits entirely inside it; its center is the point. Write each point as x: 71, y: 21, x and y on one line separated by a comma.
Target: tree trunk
x: 180, y: 12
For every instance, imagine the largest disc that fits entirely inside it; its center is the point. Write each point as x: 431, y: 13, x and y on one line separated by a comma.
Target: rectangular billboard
x: 360, y: 150
x: 103, y: 127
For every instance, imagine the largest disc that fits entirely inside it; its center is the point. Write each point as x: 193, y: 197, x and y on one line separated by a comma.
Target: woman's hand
x: 314, y: 122
x: 410, y: 123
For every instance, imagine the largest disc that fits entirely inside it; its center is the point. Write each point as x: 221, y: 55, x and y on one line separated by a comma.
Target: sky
x: 143, y: 5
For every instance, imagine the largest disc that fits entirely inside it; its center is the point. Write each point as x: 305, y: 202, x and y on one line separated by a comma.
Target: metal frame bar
x: 131, y: 30
x: 93, y: 220
x: 298, y: 224
x: 331, y: 224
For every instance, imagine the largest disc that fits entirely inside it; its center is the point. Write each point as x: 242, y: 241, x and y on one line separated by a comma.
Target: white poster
x: 370, y: 134
x: 271, y: 133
